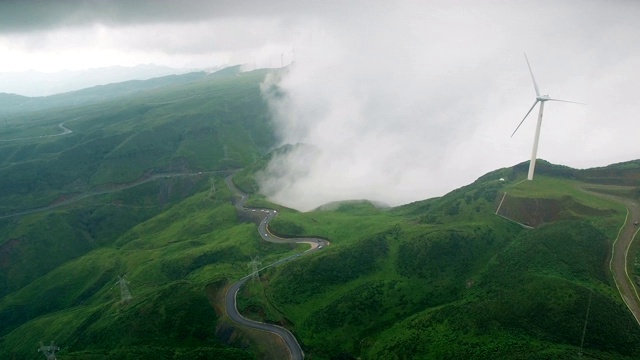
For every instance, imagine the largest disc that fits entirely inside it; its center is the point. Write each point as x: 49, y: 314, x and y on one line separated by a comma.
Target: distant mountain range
x: 34, y: 83
x: 13, y: 103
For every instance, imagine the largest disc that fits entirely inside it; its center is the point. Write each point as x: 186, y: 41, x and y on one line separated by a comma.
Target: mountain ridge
x: 437, y: 278
x: 39, y: 84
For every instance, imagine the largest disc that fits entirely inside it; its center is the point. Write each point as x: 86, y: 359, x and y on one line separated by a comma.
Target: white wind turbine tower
x: 539, y: 99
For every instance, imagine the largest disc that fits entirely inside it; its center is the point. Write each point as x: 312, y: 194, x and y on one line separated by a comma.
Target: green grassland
x: 446, y: 278
x: 138, y: 189
x: 174, y: 129
x: 169, y: 260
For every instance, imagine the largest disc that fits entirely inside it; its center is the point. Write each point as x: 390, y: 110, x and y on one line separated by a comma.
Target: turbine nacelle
x: 542, y: 98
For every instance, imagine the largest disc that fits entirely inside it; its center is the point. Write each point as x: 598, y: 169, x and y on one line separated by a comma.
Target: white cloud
x: 410, y: 102
x: 400, y: 100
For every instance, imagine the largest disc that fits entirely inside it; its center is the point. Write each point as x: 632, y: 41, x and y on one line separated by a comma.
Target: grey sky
x: 38, y: 15
x: 399, y: 101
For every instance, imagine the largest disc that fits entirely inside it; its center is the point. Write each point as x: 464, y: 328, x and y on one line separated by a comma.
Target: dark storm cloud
x: 25, y: 16
x: 40, y: 15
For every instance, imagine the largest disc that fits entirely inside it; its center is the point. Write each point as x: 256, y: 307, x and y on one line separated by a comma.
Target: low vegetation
x: 452, y: 280
x: 138, y: 190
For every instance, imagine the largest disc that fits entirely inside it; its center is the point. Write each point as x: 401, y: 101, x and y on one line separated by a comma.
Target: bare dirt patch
x: 535, y: 212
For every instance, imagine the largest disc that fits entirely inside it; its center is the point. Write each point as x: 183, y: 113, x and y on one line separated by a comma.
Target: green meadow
x: 447, y: 278
x: 138, y: 190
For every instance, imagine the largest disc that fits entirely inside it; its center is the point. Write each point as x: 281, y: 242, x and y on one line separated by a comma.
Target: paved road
x: 230, y: 297
x: 265, y: 215
x: 618, y: 265
x: 232, y: 311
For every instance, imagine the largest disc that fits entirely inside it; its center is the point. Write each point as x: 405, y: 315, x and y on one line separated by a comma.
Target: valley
x: 158, y: 182
x: 264, y: 215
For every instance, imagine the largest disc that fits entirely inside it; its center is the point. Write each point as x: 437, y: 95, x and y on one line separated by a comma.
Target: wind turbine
x: 539, y: 99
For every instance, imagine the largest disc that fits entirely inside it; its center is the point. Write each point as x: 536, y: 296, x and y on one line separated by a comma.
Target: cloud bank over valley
x: 409, y: 102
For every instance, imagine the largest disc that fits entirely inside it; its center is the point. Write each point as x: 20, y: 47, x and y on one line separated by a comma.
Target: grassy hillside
x: 12, y: 100
x: 530, y: 302
x: 447, y: 278
x: 16, y: 104
x: 169, y: 259
x: 138, y: 189
x: 211, y: 123
x: 39, y: 242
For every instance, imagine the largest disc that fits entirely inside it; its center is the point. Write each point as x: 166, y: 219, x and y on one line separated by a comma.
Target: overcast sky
x: 396, y: 100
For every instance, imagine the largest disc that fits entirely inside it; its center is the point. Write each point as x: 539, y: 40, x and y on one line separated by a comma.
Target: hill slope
x: 138, y: 178
x: 15, y: 104
x: 210, y: 123
x: 446, y: 278
x: 138, y: 189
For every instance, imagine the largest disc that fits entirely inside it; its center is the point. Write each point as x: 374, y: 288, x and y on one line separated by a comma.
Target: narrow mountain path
x: 619, y: 264
x: 231, y: 307
x: 65, y: 131
x: 114, y: 188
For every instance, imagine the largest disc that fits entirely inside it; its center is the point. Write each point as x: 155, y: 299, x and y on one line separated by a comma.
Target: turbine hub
x: 543, y: 98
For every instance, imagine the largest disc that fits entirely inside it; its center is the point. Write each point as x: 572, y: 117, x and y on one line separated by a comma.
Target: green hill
x: 15, y: 104
x: 139, y: 178
x: 172, y: 129
x: 137, y: 189
x: 447, y: 278
x: 12, y: 100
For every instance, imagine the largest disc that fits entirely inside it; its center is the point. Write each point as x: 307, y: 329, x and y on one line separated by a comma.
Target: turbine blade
x: 528, y: 112
x: 535, y: 85
x: 567, y: 101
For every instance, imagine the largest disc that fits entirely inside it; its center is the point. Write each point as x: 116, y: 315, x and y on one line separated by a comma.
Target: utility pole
x: 49, y: 351
x: 125, y: 295
x: 254, y: 266
x: 282, y: 60
x: 226, y: 153
x: 212, y: 190
x: 586, y: 319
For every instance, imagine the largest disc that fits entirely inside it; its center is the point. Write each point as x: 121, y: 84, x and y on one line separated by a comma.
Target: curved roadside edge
x: 65, y: 131
x: 263, y: 229
x: 618, y: 262
x: 231, y: 308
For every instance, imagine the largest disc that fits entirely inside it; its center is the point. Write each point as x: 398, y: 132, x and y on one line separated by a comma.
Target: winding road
x: 619, y: 264
x: 230, y: 297
x: 64, y: 129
